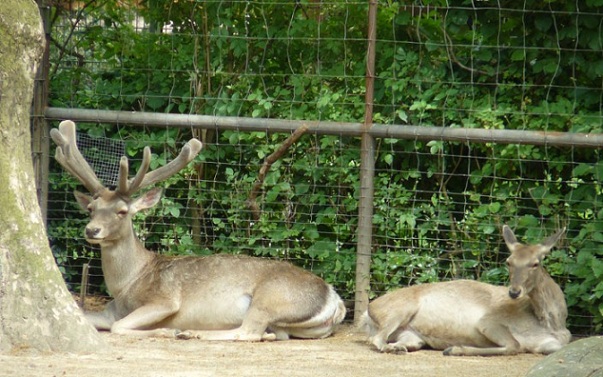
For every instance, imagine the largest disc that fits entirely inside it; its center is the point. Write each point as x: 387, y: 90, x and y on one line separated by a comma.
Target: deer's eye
x: 122, y: 213
x: 536, y: 264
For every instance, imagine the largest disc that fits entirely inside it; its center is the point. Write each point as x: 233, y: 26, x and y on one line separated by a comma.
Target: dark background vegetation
x: 438, y: 206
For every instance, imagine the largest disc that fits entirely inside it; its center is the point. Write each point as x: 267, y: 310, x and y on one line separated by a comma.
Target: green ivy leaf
x: 494, y: 207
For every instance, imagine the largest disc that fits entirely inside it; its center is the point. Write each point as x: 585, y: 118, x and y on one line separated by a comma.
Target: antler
x: 142, y: 179
x: 69, y: 156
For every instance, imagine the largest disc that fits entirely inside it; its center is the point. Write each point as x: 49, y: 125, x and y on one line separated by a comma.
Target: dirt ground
x: 344, y: 354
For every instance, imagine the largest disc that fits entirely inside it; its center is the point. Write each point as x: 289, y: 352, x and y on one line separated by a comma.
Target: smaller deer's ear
x: 509, y: 238
x: 550, y: 242
x: 146, y: 201
x: 83, y: 200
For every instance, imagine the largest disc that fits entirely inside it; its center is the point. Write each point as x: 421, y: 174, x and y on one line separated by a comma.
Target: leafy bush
x: 438, y: 206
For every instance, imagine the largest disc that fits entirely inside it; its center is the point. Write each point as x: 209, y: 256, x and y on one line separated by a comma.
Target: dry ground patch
x: 344, y: 354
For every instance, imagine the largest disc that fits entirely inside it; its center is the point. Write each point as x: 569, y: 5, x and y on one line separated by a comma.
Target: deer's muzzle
x: 92, y: 232
x: 514, y: 292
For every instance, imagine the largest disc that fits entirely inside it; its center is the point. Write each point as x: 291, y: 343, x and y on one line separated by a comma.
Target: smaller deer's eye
x: 536, y: 264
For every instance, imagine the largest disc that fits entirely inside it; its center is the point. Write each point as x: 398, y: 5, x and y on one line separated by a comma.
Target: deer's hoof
x: 269, y: 336
x: 169, y: 333
x: 395, y: 349
x: 186, y: 335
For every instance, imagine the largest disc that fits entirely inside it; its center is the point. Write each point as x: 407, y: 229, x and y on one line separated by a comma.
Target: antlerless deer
x: 465, y: 317
x: 218, y: 297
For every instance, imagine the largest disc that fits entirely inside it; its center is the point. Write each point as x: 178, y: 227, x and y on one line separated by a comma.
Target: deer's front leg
x: 146, y: 317
x: 102, y: 320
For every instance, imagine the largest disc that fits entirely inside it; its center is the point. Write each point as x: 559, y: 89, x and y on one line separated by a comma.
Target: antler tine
x: 130, y: 187
x: 69, y: 156
x: 122, y: 177
x: 188, y: 152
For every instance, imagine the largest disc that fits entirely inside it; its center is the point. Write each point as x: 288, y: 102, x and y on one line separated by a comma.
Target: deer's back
x: 443, y: 297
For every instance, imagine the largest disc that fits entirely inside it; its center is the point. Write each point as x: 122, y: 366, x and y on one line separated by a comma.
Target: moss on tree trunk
x: 36, y: 309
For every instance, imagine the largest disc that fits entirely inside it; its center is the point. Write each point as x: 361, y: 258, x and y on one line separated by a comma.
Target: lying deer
x: 218, y: 297
x: 465, y: 317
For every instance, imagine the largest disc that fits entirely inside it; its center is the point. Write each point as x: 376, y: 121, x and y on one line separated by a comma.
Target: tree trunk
x: 36, y: 309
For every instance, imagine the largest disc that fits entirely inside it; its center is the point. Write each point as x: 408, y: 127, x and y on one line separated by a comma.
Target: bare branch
x: 257, y: 186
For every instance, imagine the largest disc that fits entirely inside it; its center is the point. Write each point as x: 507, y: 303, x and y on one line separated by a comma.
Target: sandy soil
x: 344, y: 354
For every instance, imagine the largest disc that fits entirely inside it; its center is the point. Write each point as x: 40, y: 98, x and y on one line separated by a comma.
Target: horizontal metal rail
x: 474, y: 135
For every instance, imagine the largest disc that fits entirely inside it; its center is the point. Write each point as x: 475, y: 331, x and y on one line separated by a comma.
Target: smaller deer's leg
x: 145, y: 317
x: 381, y: 339
x: 496, y: 333
x: 408, y: 340
x: 548, y: 347
x: 392, y: 333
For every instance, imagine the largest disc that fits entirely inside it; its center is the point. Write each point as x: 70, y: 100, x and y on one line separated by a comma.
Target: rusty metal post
x: 367, y: 173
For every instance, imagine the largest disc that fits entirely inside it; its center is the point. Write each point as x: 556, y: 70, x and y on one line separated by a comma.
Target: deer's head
x: 111, y: 211
x: 525, y: 262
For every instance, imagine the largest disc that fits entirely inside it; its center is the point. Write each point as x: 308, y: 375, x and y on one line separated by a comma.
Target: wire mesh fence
x: 439, y: 203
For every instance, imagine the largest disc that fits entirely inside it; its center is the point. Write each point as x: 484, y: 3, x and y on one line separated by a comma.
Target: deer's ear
x: 146, y: 201
x: 83, y: 200
x: 509, y: 238
x: 552, y: 240
x: 549, y: 243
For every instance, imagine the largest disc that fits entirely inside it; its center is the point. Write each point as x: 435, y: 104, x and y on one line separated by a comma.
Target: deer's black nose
x: 92, y: 232
x: 514, y: 293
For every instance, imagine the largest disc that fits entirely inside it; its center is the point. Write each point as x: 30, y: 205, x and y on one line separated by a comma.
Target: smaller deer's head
x: 525, y: 262
x: 111, y: 211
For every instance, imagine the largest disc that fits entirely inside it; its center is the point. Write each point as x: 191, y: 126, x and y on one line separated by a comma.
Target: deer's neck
x: 548, y: 302
x: 123, y: 262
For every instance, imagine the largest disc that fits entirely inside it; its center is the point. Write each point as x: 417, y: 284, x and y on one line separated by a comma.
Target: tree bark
x: 36, y: 310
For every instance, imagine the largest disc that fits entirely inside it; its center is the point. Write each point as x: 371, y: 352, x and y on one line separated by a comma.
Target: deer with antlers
x: 465, y: 317
x: 217, y: 297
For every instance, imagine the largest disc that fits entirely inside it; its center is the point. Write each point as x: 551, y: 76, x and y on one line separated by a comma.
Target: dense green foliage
x: 438, y: 206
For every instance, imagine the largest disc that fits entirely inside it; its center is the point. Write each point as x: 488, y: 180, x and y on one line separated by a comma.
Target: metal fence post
x: 367, y: 173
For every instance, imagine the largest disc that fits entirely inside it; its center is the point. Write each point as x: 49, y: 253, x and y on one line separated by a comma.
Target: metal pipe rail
x: 475, y: 135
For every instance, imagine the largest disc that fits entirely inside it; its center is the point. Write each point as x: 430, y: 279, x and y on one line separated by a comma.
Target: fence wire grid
x: 438, y: 205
